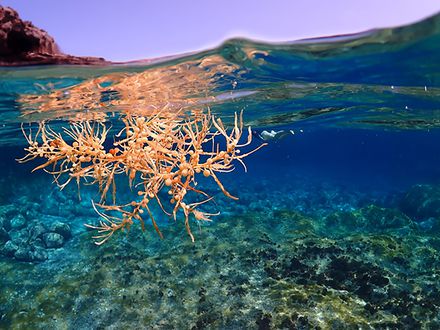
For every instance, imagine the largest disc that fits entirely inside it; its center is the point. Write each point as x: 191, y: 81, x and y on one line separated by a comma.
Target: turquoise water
x: 337, y: 220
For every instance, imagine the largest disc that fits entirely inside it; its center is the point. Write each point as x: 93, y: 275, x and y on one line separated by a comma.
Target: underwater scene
x: 250, y: 186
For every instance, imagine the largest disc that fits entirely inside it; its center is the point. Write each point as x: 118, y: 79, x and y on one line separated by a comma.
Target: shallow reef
x: 361, y: 264
x: 335, y: 226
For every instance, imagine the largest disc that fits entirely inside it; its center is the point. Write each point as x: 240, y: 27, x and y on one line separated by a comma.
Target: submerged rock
x: 53, y: 240
x: 38, y: 243
x: 8, y: 211
x: 430, y: 224
x: 37, y: 230
x: 18, y: 222
x: 9, y: 249
x: 384, y: 218
x: 23, y: 254
x: 19, y: 236
x: 39, y: 254
x: 61, y: 228
x: 367, y: 219
x: 4, y: 236
x: 422, y: 201
x: 27, y: 240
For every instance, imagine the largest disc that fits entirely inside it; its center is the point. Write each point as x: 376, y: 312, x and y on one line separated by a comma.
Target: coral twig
x: 161, y: 152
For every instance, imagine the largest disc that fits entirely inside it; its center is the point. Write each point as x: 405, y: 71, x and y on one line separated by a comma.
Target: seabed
x: 261, y: 265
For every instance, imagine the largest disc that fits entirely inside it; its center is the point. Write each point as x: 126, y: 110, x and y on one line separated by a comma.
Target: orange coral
x: 159, y: 152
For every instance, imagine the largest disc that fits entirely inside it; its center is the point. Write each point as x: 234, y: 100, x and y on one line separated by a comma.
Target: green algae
x: 368, y: 219
x: 283, y: 273
x: 422, y: 201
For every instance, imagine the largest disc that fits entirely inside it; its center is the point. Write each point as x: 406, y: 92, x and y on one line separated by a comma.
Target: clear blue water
x: 336, y: 226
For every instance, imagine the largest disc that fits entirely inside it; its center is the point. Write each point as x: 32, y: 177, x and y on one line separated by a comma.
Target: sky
x: 138, y: 29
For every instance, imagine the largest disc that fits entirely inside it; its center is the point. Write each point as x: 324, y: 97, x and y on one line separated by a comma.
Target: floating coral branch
x: 157, y: 153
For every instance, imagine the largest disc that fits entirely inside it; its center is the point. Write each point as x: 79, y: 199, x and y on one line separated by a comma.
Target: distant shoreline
x: 23, y: 44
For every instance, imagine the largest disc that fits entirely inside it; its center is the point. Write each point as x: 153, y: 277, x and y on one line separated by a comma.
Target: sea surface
x: 337, y: 222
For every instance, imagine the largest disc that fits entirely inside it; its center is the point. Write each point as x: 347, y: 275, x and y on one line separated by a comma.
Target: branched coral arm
x: 110, y: 180
x: 161, y: 205
x: 28, y: 157
x: 243, y: 164
x: 200, y: 192
x: 187, y: 226
x: 219, y: 126
x: 222, y: 188
x: 109, y: 233
x: 160, y: 150
x: 50, y: 161
x: 156, y: 227
x: 105, y: 216
x: 250, y: 152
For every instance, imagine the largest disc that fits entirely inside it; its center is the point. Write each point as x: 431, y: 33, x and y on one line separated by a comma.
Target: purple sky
x: 136, y: 29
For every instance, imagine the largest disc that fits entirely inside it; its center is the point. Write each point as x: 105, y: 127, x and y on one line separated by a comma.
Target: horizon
x: 138, y: 30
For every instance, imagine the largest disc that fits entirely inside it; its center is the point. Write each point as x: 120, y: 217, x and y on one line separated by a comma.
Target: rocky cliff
x: 22, y: 43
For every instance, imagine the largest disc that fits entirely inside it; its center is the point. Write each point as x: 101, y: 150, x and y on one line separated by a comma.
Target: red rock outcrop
x: 22, y: 43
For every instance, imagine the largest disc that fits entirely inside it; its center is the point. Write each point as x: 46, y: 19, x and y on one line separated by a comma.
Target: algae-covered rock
x: 38, y: 243
x: 345, y: 220
x: 53, y: 240
x: 19, y: 236
x: 61, y: 228
x: 4, y: 236
x: 281, y: 270
x: 384, y: 218
x: 430, y: 224
x: 367, y: 219
x: 18, y: 222
x: 296, y: 222
x: 8, y: 210
x: 422, y: 201
x: 9, y: 249
x: 23, y: 254
x: 37, y: 230
x: 39, y: 254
